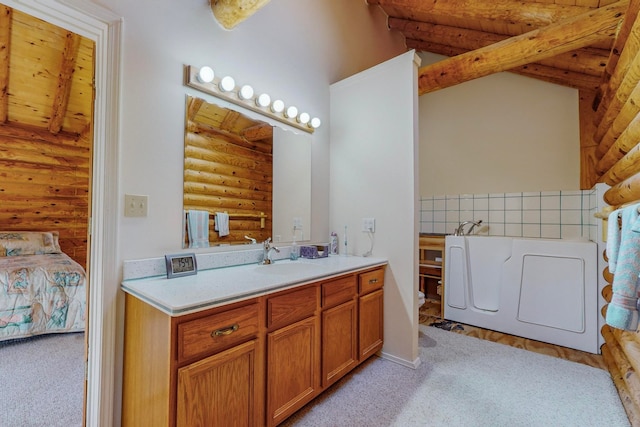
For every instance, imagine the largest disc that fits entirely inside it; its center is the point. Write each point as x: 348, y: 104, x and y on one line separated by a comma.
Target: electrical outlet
x: 135, y: 205
x: 369, y: 224
x: 297, y: 223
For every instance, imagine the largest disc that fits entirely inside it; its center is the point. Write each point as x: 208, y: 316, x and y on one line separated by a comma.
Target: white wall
x: 292, y: 49
x: 498, y: 134
x: 276, y: 50
x: 373, y: 174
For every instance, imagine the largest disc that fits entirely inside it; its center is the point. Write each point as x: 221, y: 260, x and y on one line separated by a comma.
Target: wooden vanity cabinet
x: 251, y: 363
x: 202, y: 369
x: 339, y: 328
x: 293, y: 351
x: 371, y: 312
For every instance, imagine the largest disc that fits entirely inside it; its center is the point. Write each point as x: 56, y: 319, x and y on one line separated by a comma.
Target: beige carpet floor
x: 465, y: 381
x: 42, y: 381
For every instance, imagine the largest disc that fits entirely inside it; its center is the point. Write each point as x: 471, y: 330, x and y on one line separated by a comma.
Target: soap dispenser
x: 295, y: 249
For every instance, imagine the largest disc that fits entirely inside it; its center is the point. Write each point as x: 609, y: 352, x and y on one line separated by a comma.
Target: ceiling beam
x: 536, y: 70
x: 566, y: 35
x: 6, y: 14
x: 230, y: 13
x: 590, y: 61
x: 529, y: 13
x: 65, y: 77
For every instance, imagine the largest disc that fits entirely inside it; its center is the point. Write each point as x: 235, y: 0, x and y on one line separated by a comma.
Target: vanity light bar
x: 225, y: 88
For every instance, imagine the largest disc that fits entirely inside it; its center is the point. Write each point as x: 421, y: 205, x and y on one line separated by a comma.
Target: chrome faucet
x: 460, y: 230
x: 266, y: 251
x: 253, y: 241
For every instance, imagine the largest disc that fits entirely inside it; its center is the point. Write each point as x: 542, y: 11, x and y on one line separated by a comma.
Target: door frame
x: 104, y: 28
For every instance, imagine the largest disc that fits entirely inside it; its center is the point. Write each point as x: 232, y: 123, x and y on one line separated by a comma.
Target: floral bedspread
x: 41, y: 294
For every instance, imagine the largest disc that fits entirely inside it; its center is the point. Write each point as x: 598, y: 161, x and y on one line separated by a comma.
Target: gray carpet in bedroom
x: 42, y: 381
x: 464, y: 381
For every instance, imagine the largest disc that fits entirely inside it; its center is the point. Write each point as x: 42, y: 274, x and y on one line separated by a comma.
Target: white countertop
x: 211, y: 288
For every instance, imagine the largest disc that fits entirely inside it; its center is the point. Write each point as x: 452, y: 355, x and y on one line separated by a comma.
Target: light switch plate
x: 135, y: 205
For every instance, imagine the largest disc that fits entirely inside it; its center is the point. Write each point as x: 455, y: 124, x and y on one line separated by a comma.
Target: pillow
x: 15, y: 243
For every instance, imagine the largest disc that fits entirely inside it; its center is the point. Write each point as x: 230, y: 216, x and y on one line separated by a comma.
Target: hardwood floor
x: 430, y: 315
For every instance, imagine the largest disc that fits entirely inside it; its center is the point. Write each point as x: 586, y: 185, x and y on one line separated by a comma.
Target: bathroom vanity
x: 246, y: 345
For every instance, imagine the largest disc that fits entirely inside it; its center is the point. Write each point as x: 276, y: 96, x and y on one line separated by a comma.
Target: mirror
x: 243, y: 178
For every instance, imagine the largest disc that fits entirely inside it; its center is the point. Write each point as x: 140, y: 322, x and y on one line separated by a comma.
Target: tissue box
x: 314, y: 251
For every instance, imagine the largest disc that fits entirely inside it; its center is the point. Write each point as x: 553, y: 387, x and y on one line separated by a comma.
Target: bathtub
x: 542, y: 289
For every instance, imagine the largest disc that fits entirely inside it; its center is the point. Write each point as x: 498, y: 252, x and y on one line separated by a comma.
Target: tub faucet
x: 266, y: 251
x: 460, y: 230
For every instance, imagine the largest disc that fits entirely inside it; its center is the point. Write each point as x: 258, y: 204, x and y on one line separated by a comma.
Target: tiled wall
x: 546, y: 214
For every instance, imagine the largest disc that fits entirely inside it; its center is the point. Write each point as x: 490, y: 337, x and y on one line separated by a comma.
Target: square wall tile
x: 571, y: 201
x: 513, y: 203
x: 514, y: 230
x: 531, y: 202
x: 531, y: 217
x: 550, y: 231
x: 496, y: 229
x: 531, y: 230
x: 550, y: 217
x: 571, y: 217
x: 513, y: 217
x: 550, y: 202
x: 496, y: 217
x: 496, y: 203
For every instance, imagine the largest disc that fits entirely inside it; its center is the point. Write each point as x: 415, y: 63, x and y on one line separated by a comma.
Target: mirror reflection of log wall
x: 44, y: 183
x: 615, y: 125
x: 224, y: 172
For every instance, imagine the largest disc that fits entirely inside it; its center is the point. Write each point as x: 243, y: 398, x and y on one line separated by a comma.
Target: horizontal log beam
x: 617, y: 49
x: 589, y: 61
x: 624, y: 80
x: 622, y: 160
x: 626, y: 191
x: 532, y: 14
x: 570, y: 34
x: 534, y: 70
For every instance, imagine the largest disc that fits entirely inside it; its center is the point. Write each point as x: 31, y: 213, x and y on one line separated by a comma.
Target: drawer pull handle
x: 373, y: 280
x: 225, y: 331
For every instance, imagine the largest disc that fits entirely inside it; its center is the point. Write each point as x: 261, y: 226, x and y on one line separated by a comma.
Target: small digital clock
x: 179, y: 265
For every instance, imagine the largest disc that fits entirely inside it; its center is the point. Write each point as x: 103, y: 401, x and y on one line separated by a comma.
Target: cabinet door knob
x: 225, y: 331
x: 373, y: 280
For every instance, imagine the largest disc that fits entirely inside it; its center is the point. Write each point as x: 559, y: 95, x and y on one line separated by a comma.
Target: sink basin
x: 283, y: 268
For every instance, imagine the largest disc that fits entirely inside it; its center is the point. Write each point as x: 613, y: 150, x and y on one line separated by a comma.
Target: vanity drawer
x: 284, y: 309
x: 217, y: 331
x: 339, y: 290
x: 371, y: 280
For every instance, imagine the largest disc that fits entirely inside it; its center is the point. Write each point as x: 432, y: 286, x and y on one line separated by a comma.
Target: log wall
x: 44, y: 185
x: 223, y: 174
x: 616, y: 161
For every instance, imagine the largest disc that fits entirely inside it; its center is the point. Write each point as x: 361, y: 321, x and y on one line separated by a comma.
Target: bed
x: 42, y: 290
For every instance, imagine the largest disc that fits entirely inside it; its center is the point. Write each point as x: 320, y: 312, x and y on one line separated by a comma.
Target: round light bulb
x: 315, y: 123
x: 291, y: 112
x: 263, y: 100
x: 206, y: 75
x: 245, y: 92
x: 304, y: 118
x: 227, y: 84
x: 277, y: 106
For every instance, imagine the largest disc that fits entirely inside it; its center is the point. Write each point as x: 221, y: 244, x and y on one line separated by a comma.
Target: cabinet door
x: 219, y: 390
x: 371, y: 323
x: 339, y: 341
x: 293, y: 368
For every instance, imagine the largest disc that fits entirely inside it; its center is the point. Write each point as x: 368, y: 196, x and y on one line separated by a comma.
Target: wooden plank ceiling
x: 568, y: 42
x: 46, y: 76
